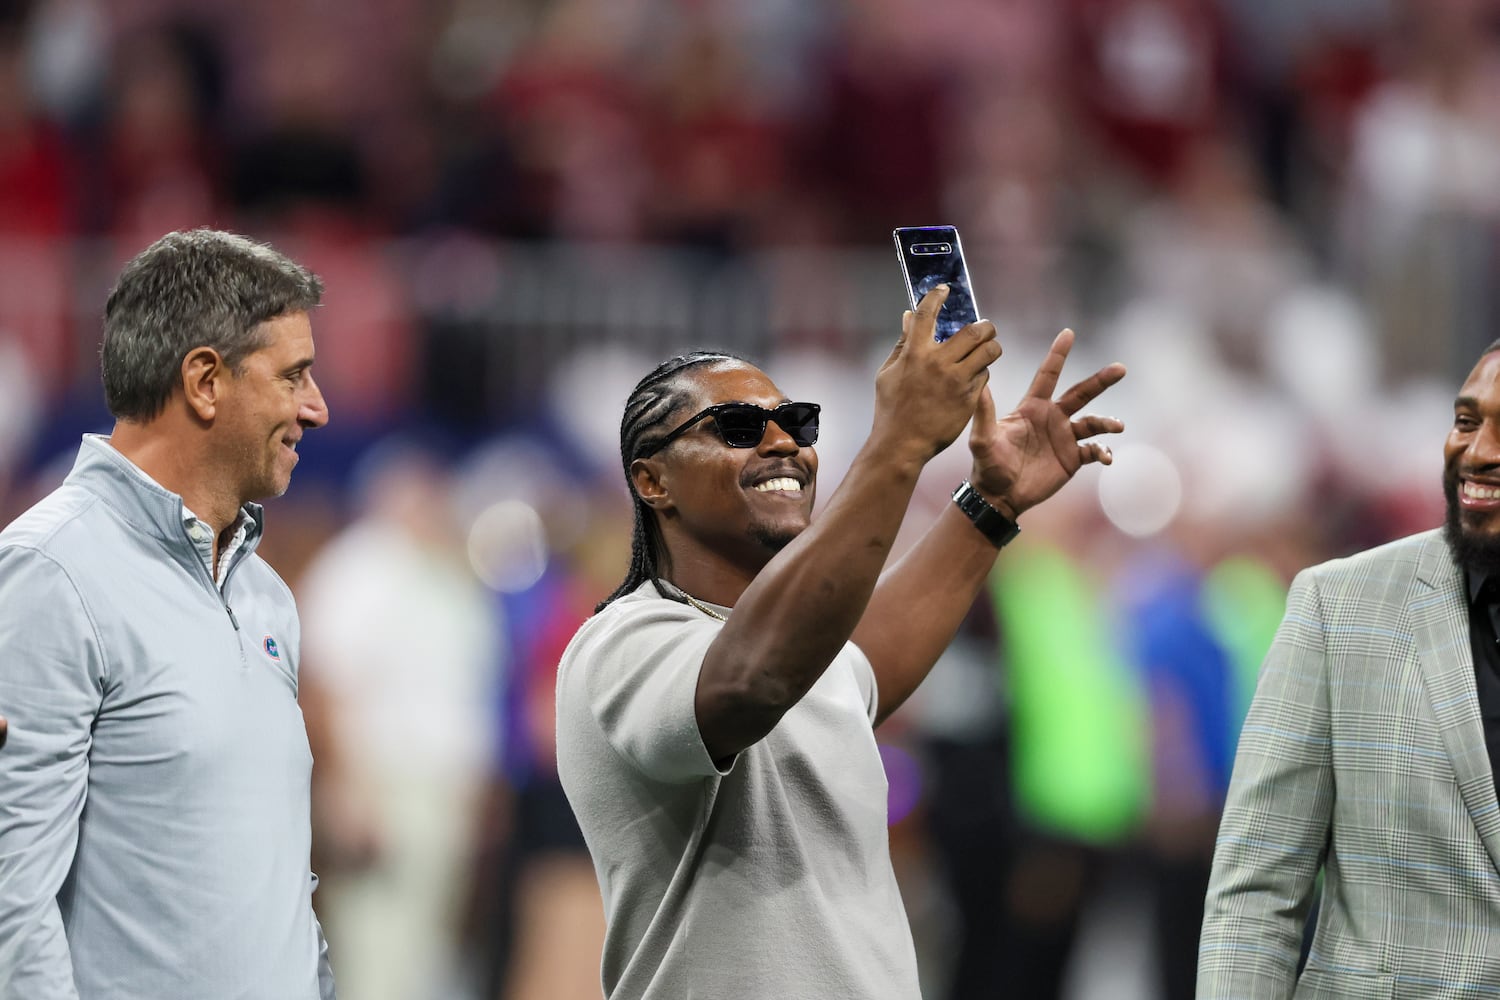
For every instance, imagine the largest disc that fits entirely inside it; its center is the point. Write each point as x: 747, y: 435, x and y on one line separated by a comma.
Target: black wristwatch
x: 994, y: 525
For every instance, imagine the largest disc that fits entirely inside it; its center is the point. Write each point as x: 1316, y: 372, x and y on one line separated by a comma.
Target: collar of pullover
x: 140, y: 500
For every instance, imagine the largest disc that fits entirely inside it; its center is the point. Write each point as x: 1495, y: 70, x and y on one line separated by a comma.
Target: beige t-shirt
x: 771, y: 879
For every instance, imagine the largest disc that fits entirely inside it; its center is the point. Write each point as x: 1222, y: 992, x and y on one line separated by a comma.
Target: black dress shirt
x: 1484, y: 626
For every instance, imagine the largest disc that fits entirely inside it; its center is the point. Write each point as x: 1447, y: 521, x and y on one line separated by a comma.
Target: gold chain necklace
x: 703, y: 607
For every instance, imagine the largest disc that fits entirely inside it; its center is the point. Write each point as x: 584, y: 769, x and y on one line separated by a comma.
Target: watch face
x: 970, y: 500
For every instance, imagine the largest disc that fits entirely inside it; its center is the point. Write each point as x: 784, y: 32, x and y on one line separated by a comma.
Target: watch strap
x: 994, y: 525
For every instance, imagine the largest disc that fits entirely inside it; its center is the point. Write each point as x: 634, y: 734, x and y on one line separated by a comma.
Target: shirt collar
x: 202, y: 536
x: 1476, y: 582
x: 141, y: 500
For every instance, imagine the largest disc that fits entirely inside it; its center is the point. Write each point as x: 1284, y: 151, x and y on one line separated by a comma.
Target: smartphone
x: 930, y: 256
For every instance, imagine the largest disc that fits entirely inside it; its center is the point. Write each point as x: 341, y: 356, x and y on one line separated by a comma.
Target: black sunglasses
x: 742, y: 425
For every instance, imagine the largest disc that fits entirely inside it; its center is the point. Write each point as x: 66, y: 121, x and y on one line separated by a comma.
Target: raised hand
x: 1027, y: 455
x: 927, y: 391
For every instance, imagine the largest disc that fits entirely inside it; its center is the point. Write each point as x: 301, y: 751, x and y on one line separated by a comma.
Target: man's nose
x: 314, y: 409
x: 776, y: 439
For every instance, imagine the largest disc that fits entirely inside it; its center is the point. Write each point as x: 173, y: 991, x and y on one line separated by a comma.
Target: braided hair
x: 651, y: 402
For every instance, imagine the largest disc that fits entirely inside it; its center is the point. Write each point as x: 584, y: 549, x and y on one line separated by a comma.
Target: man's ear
x: 646, y: 476
x: 203, y: 376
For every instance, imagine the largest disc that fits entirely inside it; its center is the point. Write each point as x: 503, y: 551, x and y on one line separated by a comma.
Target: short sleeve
x: 637, y: 667
x: 864, y: 676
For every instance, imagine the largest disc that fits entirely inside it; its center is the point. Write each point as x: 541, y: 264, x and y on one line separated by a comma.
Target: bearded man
x: 1369, y: 755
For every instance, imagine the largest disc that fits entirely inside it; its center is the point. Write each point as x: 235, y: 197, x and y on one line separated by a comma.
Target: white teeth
x: 784, y: 483
x: 1476, y: 492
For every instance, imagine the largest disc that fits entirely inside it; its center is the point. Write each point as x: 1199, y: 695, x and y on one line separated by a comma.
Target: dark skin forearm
x: 795, y: 617
x: 920, y: 602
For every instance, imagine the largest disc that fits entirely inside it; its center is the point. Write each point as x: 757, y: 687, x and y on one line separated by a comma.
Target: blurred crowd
x: 1281, y: 216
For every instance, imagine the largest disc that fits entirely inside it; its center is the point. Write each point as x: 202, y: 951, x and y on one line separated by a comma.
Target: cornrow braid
x: 654, y: 398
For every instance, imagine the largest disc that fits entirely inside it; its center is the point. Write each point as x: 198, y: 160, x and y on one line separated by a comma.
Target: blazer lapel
x: 1440, y: 617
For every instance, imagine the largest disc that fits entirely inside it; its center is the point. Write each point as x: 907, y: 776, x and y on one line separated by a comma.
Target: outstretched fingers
x: 1091, y: 426
x: 1086, y: 391
x: 1044, y: 382
x: 1095, y: 451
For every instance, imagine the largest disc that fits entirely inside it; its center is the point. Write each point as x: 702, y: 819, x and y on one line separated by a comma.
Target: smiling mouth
x: 1479, y: 492
x: 781, y: 484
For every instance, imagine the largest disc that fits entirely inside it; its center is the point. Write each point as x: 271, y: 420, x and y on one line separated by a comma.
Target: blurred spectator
x: 68, y: 47
x: 1014, y: 185
x: 571, y: 101
x: 37, y: 212
x: 35, y: 284
x: 1154, y: 75
x: 1423, y: 188
x: 400, y: 638
x: 1331, y: 76
x: 1077, y: 747
x: 1214, y: 245
x: 1196, y: 697
x: 163, y: 165
x: 366, y: 334
x: 297, y: 166
x: 546, y: 544
x: 716, y: 160
x: 873, y: 152
x: 968, y: 812
x: 36, y: 165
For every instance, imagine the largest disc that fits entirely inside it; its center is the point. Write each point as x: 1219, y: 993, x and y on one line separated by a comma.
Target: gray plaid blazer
x: 1362, y: 756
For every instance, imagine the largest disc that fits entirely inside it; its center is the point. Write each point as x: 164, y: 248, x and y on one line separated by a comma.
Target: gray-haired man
x: 154, y: 808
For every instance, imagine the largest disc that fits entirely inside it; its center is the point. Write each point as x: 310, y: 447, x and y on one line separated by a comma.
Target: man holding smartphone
x: 716, y: 715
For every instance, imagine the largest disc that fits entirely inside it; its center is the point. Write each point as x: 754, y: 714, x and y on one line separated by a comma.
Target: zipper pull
x: 232, y: 618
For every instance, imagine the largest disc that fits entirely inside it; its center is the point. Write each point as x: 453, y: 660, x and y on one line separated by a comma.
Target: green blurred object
x: 1079, y: 721
x: 1243, y: 601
